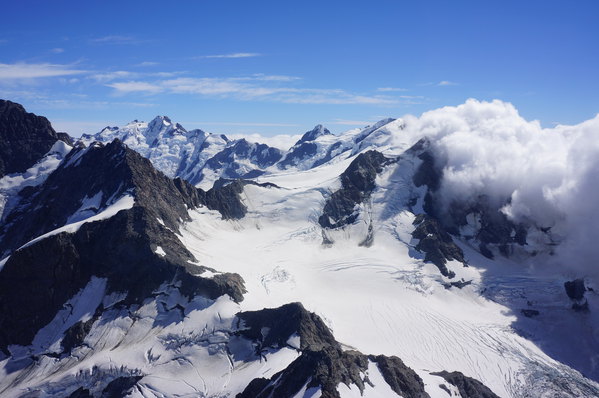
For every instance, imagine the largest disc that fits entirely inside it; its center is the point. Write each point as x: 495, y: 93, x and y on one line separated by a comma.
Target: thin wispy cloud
x: 24, y: 71
x: 136, y: 87
x: 231, y: 55
x: 446, y: 83
x: 109, y: 76
x: 115, y: 39
x: 391, y: 89
x: 57, y: 50
x: 274, y: 78
x: 147, y: 63
x: 258, y: 87
x: 51, y: 103
x: 121, y: 74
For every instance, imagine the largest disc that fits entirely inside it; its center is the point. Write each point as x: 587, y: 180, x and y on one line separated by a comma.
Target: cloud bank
x: 550, y: 176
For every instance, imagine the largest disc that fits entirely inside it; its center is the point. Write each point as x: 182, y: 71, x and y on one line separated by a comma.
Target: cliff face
x: 24, y: 138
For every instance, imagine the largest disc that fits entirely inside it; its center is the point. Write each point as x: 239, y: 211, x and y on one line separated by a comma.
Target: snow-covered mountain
x: 202, y: 158
x: 152, y: 261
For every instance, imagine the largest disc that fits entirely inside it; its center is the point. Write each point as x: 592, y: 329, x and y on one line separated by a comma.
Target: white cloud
x: 148, y: 63
x: 57, y: 50
x: 231, y: 55
x: 135, y: 87
x: 281, y: 141
x: 274, y: 78
x: 34, y: 71
x: 446, y: 83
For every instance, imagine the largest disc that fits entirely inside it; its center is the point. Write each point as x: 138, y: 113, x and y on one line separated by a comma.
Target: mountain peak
x: 317, y: 131
x: 160, y: 126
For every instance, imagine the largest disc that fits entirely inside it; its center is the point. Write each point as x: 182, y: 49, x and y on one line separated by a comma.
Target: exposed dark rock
x: 322, y: 361
x: 75, y: 335
x: 221, y: 182
x: 81, y: 393
x: 427, y: 173
x: 495, y: 230
x: 369, y: 239
x: 529, y: 313
x: 357, y: 183
x: 436, y: 243
x: 119, y: 387
x: 24, y: 138
x: 459, y: 284
x: 282, y: 323
x: 261, y: 155
x: 304, y: 150
x: 227, y: 200
x: 575, y: 289
x: 66, y: 138
x: 445, y: 388
x: 120, y: 248
x: 467, y: 386
x: 325, y: 369
x: 402, y: 379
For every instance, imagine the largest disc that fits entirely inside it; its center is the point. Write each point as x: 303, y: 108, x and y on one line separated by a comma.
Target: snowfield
x: 381, y: 299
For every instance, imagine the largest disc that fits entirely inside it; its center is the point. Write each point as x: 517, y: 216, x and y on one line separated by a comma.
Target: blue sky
x: 280, y: 67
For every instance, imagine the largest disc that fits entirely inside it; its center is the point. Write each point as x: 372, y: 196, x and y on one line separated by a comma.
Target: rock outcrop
x: 24, y: 138
x: 467, y: 386
x: 357, y: 184
x: 322, y: 364
x: 121, y: 248
x: 436, y: 243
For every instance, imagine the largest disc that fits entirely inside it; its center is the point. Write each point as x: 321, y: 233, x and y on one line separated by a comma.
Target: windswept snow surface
x: 381, y: 299
x: 124, y: 202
